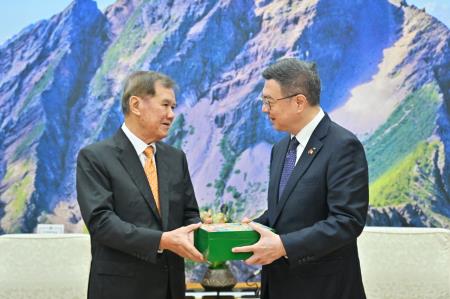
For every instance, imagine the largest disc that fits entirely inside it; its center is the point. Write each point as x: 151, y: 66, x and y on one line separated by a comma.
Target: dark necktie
x: 289, y: 164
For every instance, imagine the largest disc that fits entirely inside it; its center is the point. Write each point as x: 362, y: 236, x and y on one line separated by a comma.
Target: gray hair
x: 142, y: 83
x: 296, y: 76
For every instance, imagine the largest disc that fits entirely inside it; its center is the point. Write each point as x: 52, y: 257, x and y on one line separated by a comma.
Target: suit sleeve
x: 263, y: 219
x: 191, y: 213
x: 347, y: 200
x: 96, y: 201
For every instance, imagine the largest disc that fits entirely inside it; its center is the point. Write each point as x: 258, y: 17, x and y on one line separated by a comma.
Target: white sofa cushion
x: 44, y: 266
x: 405, y: 263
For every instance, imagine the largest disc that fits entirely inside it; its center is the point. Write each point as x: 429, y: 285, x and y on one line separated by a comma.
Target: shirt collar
x: 305, y: 133
x: 138, y: 144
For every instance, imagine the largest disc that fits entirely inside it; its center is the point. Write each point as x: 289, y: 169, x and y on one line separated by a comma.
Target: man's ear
x: 134, y: 103
x: 301, y: 101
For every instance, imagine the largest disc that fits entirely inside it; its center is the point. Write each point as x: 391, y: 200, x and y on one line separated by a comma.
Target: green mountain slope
x: 412, y: 122
x: 414, y: 184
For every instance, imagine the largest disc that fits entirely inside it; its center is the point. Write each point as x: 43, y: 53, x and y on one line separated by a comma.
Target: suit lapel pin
x: 311, y: 151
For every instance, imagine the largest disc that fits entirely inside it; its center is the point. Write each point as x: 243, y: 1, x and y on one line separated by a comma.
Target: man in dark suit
x: 317, y: 196
x: 137, y: 199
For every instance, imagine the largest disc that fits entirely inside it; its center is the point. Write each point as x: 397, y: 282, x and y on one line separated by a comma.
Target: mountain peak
x: 60, y: 85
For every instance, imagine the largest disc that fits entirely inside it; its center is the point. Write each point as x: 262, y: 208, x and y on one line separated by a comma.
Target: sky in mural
x: 16, y: 15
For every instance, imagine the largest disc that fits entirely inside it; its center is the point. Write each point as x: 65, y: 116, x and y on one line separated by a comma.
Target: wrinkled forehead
x: 166, y: 94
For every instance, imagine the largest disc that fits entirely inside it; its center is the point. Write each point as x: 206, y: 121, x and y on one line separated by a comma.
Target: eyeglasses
x: 268, y: 102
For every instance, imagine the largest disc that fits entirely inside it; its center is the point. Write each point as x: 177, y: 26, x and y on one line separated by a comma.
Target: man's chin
x: 279, y: 128
x: 163, y: 133
x: 275, y: 126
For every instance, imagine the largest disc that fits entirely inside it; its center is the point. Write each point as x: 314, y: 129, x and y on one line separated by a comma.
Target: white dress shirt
x: 139, y: 145
x: 305, y: 133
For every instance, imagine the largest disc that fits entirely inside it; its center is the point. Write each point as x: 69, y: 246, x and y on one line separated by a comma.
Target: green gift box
x: 215, y: 241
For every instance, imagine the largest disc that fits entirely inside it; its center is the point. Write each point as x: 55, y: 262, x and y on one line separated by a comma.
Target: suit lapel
x: 130, y: 161
x: 278, y: 162
x: 310, y: 152
x: 299, y: 170
x: 162, y: 164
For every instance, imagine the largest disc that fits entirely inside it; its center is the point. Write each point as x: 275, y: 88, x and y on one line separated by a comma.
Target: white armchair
x: 405, y: 263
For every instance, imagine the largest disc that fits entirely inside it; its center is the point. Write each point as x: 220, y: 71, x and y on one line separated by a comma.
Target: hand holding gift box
x: 216, y: 241
x: 268, y: 248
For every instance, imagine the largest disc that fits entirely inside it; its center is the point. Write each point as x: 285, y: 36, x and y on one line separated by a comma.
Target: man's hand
x: 266, y: 250
x: 181, y: 241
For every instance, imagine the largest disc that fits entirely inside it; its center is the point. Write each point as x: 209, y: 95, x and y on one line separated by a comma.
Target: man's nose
x: 171, y: 114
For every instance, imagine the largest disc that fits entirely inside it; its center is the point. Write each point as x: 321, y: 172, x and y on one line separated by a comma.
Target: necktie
x: 152, y: 175
x: 289, y: 164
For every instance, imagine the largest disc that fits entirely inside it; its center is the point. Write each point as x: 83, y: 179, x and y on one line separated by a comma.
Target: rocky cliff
x: 385, y: 69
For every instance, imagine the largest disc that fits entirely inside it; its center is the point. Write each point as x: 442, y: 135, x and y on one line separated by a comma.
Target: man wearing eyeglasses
x: 137, y: 199
x: 317, y: 196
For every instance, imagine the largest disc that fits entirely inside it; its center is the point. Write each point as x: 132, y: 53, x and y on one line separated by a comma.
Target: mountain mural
x: 385, y: 69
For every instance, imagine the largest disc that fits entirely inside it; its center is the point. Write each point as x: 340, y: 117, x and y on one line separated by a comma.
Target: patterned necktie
x: 152, y: 175
x: 289, y: 164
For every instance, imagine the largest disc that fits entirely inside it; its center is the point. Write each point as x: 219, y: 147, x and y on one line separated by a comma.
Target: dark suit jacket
x: 318, y: 217
x: 125, y: 227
